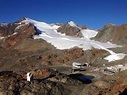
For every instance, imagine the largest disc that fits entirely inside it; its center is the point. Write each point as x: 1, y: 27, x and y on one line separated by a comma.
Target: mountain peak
x: 71, y: 23
x: 23, y: 18
x: 20, y: 20
x: 109, y: 24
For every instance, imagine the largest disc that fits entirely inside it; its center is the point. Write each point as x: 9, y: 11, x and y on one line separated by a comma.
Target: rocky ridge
x: 112, y: 33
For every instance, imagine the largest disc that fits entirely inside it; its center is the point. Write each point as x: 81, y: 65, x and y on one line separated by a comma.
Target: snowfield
x: 61, y: 41
x: 87, y: 33
x: 116, y: 56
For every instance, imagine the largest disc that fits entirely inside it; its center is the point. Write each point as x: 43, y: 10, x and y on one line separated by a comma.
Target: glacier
x: 62, y: 41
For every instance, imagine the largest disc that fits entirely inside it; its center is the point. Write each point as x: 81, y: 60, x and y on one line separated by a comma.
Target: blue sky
x: 91, y: 13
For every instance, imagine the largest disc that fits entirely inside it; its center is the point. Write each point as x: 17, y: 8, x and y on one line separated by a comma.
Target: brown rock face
x: 63, y: 78
x: 74, y: 53
x: 62, y: 57
x: 16, y: 36
x: 111, y: 85
x: 56, y: 84
x: 106, y: 33
x: 4, y: 75
x: 40, y: 73
x: 69, y: 30
x: 120, y: 36
x: 10, y: 85
x: 43, y: 73
x: 114, y: 34
x: 7, y: 29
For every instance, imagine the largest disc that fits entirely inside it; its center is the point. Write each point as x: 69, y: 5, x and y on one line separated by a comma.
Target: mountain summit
x: 71, y: 23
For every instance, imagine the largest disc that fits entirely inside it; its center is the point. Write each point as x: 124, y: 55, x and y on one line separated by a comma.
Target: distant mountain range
x: 63, y: 36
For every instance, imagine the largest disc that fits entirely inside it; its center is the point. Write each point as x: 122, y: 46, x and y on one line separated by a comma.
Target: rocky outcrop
x: 70, y: 30
x: 74, y: 53
x: 120, y: 36
x: 40, y: 73
x: 61, y: 57
x: 15, y: 35
x: 7, y: 29
x: 117, y: 85
x: 105, y: 34
x: 114, y: 34
x: 36, y: 87
x: 63, y: 78
x: 58, y: 84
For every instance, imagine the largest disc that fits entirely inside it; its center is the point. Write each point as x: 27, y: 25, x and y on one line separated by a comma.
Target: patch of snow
x: 114, y: 57
x: 12, y: 34
x: 55, y: 26
x: 20, y: 25
x: 71, y: 23
x: 87, y: 33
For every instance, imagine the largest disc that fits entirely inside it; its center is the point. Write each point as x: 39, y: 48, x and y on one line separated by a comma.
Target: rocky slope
x: 52, y: 68
x: 71, y: 30
x: 12, y: 84
x: 15, y: 34
x: 114, y: 34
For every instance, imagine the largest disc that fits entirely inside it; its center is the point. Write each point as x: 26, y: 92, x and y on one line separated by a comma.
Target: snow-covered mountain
x: 52, y: 50
x: 49, y: 33
x: 52, y: 34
